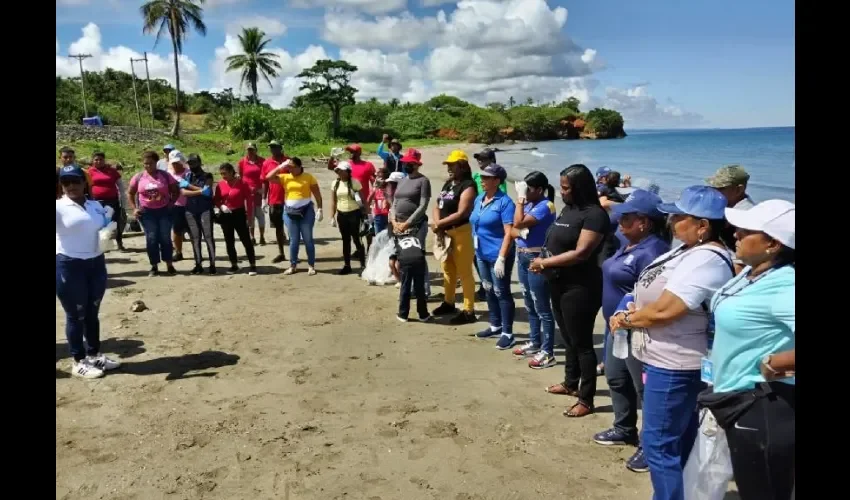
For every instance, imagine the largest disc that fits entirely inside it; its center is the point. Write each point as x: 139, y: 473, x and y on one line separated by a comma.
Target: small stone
x: 138, y: 306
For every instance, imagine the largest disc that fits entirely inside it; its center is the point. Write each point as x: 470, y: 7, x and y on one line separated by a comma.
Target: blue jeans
x: 157, y: 224
x: 499, y: 299
x: 538, y: 303
x: 670, y: 423
x: 380, y: 222
x: 80, y: 285
x: 413, y: 276
x: 301, y: 228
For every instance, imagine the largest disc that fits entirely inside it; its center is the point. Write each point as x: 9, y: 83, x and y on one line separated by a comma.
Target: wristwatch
x: 765, y: 361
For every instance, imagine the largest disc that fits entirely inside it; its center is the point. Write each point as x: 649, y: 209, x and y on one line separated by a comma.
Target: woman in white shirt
x: 670, y: 334
x: 81, y: 272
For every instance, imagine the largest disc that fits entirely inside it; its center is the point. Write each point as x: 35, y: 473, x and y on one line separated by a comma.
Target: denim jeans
x: 380, y: 222
x: 670, y: 423
x: 80, y: 286
x: 157, y: 224
x: 413, y: 276
x: 538, y: 303
x: 625, y: 380
x: 301, y: 228
x: 499, y: 299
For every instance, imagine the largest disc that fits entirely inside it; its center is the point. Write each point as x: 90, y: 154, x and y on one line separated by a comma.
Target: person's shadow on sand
x: 177, y: 367
x: 124, y: 348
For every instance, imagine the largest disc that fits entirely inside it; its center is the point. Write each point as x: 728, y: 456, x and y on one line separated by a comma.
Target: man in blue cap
x: 162, y: 164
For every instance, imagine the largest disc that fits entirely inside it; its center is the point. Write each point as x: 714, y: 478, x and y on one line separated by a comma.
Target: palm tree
x: 175, y: 17
x: 511, y: 102
x: 254, y: 62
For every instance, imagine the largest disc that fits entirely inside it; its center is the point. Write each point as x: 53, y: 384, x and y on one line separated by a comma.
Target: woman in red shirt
x: 233, y: 198
x: 106, y: 188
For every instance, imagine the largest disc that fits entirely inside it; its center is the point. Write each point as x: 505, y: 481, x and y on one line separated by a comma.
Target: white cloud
x: 272, y: 27
x: 404, y: 32
x: 370, y: 6
x: 434, y: 3
x: 118, y: 58
x: 642, y: 110
x: 386, y: 76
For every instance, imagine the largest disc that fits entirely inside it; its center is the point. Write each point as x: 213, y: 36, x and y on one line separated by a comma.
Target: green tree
x: 329, y: 83
x: 394, y: 103
x: 572, y: 103
x: 176, y: 17
x: 511, y: 102
x: 496, y: 106
x: 529, y: 101
x: 254, y: 62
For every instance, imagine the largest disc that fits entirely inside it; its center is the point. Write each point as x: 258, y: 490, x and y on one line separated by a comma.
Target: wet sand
x: 300, y: 387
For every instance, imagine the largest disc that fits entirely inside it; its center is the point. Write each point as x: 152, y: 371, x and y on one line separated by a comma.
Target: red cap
x: 412, y: 156
x: 354, y: 148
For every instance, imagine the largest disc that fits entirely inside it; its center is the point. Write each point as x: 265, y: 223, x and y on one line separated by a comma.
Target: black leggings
x: 762, y: 444
x: 349, y: 229
x: 575, y: 307
x: 237, y: 222
x: 119, y: 217
x: 201, y: 226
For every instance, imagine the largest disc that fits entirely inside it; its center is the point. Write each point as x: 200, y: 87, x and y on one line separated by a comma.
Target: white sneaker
x: 84, y: 369
x: 101, y: 362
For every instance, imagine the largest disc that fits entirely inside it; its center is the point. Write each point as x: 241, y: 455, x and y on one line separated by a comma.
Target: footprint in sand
x: 300, y: 374
x: 441, y: 429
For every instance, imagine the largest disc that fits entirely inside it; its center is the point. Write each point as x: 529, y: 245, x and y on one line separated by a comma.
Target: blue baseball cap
x: 494, y: 170
x: 640, y: 202
x: 703, y: 202
x: 602, y: 172
x: 168, y: 147
x: 71, y: 171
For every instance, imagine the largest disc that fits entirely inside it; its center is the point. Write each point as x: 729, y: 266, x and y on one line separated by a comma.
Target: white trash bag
x: 709, y: 467
x: 105, y: 237
x: 377, y: 270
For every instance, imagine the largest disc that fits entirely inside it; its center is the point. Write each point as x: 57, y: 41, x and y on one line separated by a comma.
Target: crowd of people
x: 707, y: 323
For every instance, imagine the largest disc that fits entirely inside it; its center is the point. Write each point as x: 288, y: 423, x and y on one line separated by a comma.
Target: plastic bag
x: 337, y: 152
x: 377, y: 270
x: 105, y: 237
x: 709, y: 468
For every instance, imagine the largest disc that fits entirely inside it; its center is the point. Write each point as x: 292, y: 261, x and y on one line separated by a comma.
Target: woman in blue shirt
x: 646, y: 236
x: 534, y: 214
x: 753, y: 356
x: 492, y: 219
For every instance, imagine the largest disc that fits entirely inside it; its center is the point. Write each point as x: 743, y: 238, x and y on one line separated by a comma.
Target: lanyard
x: 483, y: 208
x: 724, y: 292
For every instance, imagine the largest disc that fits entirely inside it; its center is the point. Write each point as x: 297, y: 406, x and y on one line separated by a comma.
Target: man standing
x: 731, y: 180
x: 274, y: 196
x: 250, y: 170
x: 485, y: 158
x: 68, y: 158
x: 392, y: 158
x: 162, y: 164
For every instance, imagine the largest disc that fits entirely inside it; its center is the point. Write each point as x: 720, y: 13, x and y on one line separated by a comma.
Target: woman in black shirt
x: 572, y: 269
x: 451, y: 215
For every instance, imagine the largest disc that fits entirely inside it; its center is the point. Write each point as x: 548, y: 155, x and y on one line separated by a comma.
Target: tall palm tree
x: 176, y: 17
x: 253, y: 62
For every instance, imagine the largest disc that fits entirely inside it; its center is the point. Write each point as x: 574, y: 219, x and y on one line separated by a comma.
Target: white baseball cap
x: 343, y: 165
x: 175, y: 156
x: 395, y: 177
x: 775, y: 218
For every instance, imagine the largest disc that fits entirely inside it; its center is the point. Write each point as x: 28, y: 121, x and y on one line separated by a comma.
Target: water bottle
x: 621, y: 343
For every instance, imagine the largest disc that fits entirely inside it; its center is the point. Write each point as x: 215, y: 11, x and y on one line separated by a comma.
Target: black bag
x: 295, y: 212
x: 728, y: 407
x: 550, y: 273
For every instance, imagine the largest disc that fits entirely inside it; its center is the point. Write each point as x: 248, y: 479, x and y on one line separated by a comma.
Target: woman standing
x: 81, y: 272
x: 346, y: 214
x: 670, y: 329
x: 199, y: 204
x: 410, y: 200
x: 105, y: 189
x: 298, y: 212
x: 645, y: 231
x: 177, y: 169
x: 492, y: 219
x: 754, y: 351
x: 451, y: 216
x: 534, y: 214
x: 233, y: 197
x: 571, y: 266
x: 157, y: 190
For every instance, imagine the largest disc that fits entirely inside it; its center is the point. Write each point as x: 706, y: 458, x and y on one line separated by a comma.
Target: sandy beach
x: 299, y: 387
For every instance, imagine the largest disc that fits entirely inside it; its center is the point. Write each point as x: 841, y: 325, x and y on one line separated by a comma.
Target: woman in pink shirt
x: 157, y: 191
x: 177, y: 169
x: 250, y: 171
x: 233, y: 199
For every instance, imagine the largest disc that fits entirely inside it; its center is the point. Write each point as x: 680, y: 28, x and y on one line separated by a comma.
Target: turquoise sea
x: 673, y: 159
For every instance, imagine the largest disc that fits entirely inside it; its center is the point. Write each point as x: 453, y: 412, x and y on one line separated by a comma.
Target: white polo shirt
x: 77, y: 227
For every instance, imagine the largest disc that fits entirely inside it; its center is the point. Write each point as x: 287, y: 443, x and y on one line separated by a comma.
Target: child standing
x: 411, y: 263
x: 379, y: 200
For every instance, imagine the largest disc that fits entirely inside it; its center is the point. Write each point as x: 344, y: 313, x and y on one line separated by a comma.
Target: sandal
x: 578, y: 410
x: 561, y: 390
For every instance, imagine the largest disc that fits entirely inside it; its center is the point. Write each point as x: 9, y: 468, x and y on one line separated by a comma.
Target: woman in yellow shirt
x: 299, y: 213
x: 347, y: 212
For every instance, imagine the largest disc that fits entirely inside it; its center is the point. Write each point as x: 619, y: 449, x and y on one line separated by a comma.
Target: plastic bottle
x: 621, y: 343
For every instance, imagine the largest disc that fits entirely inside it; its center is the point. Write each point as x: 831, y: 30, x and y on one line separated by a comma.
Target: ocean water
x: 673, y: 159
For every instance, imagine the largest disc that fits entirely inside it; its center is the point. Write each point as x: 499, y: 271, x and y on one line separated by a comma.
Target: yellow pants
x: 459, y: 263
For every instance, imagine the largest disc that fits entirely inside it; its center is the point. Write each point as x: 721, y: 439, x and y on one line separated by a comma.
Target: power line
x: 148, y: 79
x: 80, y: 57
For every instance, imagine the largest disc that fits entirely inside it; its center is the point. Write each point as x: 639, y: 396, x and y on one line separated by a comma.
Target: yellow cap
x: 456, y: 156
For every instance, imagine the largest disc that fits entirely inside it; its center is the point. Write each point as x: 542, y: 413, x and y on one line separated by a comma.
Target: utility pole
x: 135, y: 94
x: 80, y: 57
x: 148, y: 78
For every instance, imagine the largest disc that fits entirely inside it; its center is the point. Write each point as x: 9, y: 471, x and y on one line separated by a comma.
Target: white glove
x: 333, y: 221
x: 266, y: 206
x: 108, y: 212
x: 224, y: 209
x: 523, y: 233
x: 285, y: 164
x: 318, y: 215
x: 521, y: 189
x: 499, y: 267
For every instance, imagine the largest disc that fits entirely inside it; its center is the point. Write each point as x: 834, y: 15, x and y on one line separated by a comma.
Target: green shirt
x: 503, y: 187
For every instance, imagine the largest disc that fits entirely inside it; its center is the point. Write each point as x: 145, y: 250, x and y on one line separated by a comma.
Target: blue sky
x: 662, y: 63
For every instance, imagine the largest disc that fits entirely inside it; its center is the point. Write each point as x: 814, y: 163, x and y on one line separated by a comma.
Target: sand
x: 299, y: 387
